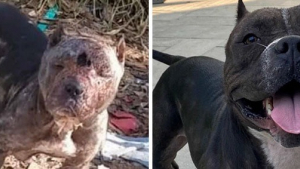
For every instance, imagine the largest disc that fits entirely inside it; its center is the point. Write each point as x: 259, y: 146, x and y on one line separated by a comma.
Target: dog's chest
x: 277, y: 155
x: 64, y: 147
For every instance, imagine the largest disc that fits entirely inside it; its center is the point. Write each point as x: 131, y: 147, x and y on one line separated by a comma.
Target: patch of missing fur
x: 102, y: 41
x: 277, y: 155
x: 286, y: 17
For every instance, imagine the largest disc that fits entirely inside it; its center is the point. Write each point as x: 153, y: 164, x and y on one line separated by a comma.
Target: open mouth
x: 282, y: 109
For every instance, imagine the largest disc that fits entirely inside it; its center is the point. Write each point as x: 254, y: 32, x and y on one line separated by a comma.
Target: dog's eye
x: 250, y: 38
x: 58, y: 67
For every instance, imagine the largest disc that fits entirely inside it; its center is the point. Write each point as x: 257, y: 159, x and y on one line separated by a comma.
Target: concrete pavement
x: 197, y: 27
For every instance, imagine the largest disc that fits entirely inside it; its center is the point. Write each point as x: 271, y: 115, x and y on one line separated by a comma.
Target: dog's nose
x: 288, y: 45
x: 73, y: 89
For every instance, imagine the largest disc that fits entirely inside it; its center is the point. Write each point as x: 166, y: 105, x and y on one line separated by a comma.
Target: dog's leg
x: 24, y: 155
x: 168, y: 135
x: 171, y: 150
x: 89, y: 141
x: 2, y: 157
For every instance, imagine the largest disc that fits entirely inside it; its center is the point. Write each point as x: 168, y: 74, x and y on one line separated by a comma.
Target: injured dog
x: 247, y: 116
x: 59, y: 108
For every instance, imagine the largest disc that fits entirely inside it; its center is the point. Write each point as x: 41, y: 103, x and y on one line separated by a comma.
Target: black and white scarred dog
x: 244, y: 113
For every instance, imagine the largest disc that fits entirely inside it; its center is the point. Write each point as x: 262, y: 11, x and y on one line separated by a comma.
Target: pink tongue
x: 286, y: 112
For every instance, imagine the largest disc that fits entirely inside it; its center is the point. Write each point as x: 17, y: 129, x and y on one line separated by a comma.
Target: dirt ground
x: 134, y: 87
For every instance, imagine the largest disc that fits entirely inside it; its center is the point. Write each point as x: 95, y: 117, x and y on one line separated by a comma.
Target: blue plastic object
x: 50, y: 15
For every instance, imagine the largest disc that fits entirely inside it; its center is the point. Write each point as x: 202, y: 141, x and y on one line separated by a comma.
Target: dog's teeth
x: 269, y: 111
x: 269, y: 105
x: 264, y: 103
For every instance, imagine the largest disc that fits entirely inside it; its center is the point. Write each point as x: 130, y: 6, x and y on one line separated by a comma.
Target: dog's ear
x: 241, y: 11
x: 56, y: 36
x: 121, y: 50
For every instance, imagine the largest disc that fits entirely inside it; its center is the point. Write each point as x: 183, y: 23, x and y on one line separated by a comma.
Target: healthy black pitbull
x: 54, y: 95
x: 247, y: 116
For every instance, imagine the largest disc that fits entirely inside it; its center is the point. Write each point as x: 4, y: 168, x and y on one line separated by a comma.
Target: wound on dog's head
x: 83, y: 60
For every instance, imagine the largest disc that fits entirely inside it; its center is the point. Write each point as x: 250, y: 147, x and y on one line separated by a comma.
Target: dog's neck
x: 277, y: 155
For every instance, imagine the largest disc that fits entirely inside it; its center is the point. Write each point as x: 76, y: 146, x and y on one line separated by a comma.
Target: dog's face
x: 79, y: 75
x: 262, y: 71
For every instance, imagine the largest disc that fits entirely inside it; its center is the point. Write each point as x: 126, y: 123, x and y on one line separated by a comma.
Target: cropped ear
x: 56, y: 37
x: 121, y: 50
x: 241, y: 11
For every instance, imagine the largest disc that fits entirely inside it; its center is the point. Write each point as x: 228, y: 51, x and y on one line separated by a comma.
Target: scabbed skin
x: 54, y: 94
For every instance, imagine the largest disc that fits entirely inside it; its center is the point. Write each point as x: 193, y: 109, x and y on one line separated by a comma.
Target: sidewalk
x: 197, y: 27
